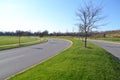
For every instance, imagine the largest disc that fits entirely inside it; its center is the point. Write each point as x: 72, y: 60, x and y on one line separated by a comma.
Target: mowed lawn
x: 75, y: 63
x: 7, y: 42
x: 109, y: 39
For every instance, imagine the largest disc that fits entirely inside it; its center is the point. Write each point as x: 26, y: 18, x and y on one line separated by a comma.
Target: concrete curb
x: 42, y: 61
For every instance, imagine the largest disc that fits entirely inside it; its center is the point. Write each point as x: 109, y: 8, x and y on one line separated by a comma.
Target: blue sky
x: 51, y: 15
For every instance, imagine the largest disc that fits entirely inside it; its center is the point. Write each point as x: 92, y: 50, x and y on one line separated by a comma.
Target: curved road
x: 113, y: 48
x: 15, y: 60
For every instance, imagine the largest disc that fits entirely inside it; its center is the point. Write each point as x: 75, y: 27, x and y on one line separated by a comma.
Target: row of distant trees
x: 24, y: 33
x: 46, y: 33
x: 41, y: 34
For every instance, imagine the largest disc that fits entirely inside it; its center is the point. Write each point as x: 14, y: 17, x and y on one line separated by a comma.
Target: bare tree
x: 19, y: 34
x: 81, y: 31
x: 89, y: 15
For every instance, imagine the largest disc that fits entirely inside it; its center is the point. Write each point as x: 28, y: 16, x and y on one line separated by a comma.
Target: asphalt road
x: 15, y: 60
x: 113, y: 48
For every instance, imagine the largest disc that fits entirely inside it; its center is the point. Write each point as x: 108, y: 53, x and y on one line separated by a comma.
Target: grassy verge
x: 6, y: 40
x: 108, y: 39
x: 76, y: 63
x: 12, y: 42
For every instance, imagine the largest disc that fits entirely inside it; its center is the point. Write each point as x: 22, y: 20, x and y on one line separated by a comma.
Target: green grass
x: 76, y: 63
x: 109, y: 39
x: 8, y: 42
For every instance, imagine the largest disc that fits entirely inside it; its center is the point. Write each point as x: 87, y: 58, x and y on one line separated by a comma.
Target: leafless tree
x: 19, y: 34
x: 81, y: 31
x: 89, y: 15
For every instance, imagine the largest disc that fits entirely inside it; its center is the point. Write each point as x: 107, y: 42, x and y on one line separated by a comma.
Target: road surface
x: 113, y: 48
x: 18, y: 59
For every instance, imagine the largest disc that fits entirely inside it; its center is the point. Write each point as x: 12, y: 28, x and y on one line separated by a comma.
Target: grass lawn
x: 75, y: 63
x: 7, y: 42
x: 109, y: 39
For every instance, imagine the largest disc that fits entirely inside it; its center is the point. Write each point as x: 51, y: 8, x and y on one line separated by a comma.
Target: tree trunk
x: 19, y: 40
x: 85, y: 39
